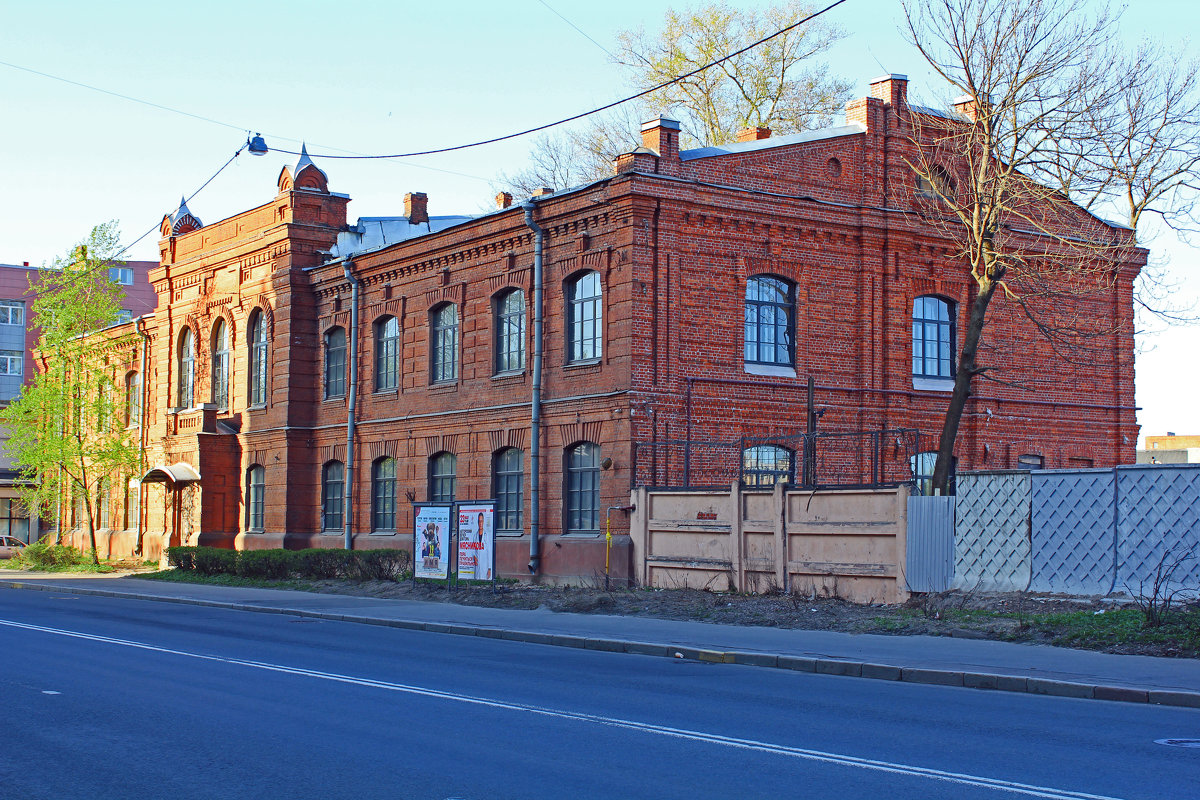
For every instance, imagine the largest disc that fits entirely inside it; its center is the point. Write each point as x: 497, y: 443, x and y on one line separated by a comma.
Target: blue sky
x: 376, y: 77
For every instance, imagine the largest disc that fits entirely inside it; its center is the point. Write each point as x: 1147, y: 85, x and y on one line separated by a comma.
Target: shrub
x: 377, y: 565
x: 43, y: 556
x: 182, y: 557
x: 318, y: 563
x: 269, y: 564
x: 358, y: 565
x: 215, y: 561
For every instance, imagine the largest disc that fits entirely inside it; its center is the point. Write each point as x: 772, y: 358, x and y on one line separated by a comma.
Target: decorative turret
x: 180, y: 221
x: 304, y: 176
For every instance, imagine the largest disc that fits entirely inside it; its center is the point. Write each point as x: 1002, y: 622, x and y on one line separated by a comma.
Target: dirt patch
x: 1107, y: 624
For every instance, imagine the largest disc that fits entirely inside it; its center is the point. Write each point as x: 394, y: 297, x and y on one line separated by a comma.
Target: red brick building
x: 308, y: 378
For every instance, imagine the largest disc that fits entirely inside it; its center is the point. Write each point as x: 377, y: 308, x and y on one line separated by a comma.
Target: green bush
x: 43, y: 556
x: 215, y: 561
x: 269, y: 564
x: 316, y: 563
x: 182, y: 557
x: 322, y: 564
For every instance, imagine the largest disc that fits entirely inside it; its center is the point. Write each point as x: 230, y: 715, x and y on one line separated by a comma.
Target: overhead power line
x: 583, y: 114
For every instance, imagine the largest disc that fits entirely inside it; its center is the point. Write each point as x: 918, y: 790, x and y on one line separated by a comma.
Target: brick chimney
x: 416, y: 208
x: 503, y: 200
x: 891, y: 89
x: 753, y: 134
x: 965, y: 104
x: 662, y: 136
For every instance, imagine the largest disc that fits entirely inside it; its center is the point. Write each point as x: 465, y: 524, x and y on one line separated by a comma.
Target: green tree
x: 778, y: 85
x: 64, y: 435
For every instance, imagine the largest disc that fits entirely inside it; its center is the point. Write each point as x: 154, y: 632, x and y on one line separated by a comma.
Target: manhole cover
x: 1179, y: 742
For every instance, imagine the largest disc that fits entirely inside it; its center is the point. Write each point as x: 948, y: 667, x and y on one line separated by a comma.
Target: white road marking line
x: 1012, y: 787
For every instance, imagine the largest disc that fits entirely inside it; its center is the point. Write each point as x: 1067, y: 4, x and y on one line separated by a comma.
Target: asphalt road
x: 115, y: 698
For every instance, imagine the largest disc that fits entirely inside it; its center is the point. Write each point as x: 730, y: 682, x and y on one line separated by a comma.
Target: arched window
x: 770, y: 332
x: 133, y: 399
x: 187, y: 369
x: 443, y: 469
x: 333, y: 484
x: 510, y: 331
x: 259, y: 353
x: 256, y: 484
x: 443, y: 354
x: 922, y: 465
x: 383, y: 495
x: 220, y: 365
x: 387, y: 354
x: 933, y: 337
x: 508, y: 480
x: 766, y: 465
x: 335, y: 363
x: 582, y: 506
x: 584, y: 317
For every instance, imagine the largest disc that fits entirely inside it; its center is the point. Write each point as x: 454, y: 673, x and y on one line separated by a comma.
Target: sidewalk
x: 938, y: 660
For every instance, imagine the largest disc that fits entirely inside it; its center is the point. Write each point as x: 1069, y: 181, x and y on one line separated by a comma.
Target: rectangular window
x: 121, y: 275
x: 12, y: 362
x: 12, y: 312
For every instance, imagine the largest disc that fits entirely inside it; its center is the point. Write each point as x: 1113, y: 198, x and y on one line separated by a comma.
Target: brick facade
x: 673, y: 239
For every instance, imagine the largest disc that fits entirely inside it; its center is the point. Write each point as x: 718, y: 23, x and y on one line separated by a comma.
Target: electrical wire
x: 581, y: 31
x: 581, y: 115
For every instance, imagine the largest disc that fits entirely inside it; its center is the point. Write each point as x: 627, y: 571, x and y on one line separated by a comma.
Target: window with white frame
x: 121, y: 275
x: 12, y: 362
x: 333, y: 486
x: 335, y: 363
x: 383, y: 495
x: 259, y: 355
x: 187, y: 368
x: 12, y: 312
x: 256, y: 487
x: 220, y: 365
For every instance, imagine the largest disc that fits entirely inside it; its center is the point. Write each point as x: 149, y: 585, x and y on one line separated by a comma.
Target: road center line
x: 1028, y: 790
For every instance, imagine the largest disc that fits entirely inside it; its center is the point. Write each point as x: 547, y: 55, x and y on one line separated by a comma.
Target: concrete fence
x: 1080, y: 532
x: 848, y: 543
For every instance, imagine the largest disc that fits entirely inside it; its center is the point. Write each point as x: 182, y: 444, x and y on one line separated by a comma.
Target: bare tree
x: 1032, y: 74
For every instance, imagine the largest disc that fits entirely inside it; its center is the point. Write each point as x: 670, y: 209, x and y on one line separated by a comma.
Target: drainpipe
x: 351, y: 404
x: 535, y: 422
x: 141, y: 329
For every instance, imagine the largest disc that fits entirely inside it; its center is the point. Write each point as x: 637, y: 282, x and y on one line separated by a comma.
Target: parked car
x: 10, y: 546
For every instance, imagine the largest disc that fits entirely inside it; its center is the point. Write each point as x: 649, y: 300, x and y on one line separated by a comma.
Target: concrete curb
x: 821, y: 666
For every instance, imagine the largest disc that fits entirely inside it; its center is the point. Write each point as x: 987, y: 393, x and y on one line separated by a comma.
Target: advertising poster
x: 431, y: 541
x: 476, y: 541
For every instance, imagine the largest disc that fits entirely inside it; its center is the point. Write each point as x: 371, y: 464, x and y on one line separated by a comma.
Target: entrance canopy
x: 179, y: 472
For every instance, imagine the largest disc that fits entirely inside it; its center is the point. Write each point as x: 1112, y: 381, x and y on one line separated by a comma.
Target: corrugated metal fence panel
x: 991, y: 549
x: 930, y: 557
x: 1074, y: 532
x: 1158, y: 511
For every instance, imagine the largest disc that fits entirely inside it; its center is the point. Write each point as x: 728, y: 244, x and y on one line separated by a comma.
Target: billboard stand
x: 433, y: 538
x: 476, y: 541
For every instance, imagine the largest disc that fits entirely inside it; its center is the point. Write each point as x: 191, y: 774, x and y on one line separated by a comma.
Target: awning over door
x: 179, y: 472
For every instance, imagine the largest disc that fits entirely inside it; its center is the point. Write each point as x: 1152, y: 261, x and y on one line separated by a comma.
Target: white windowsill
x: 933, y: 384
x: 769, y: 370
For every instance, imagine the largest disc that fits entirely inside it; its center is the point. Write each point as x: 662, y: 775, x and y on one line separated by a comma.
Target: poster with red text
x: 476, y: 541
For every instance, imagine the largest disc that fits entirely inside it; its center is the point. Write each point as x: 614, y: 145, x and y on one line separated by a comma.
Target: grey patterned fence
x: 991, y: 524
x: 1074, y: 534
x: 1082, y: 532
x: 1158, y: 510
